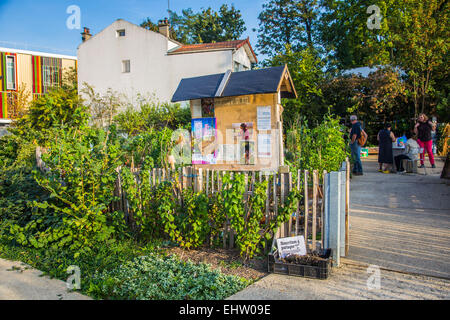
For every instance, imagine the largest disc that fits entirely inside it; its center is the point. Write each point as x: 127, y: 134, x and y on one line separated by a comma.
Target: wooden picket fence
x: 307, y: 220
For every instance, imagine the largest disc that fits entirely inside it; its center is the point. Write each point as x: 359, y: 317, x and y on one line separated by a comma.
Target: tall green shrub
x: 80, y: 179
x: 320, y: 148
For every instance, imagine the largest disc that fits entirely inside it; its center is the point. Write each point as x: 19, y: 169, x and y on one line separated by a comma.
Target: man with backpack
x: 358, y: 138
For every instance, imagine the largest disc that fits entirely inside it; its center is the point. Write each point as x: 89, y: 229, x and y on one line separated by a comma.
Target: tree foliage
x: 306, y: 69
x: 286, y: 23
x: 412, y: 37
x: 409, y: 51
x: 316, y: 148
x: 205, y: 26
x: 150, y: 114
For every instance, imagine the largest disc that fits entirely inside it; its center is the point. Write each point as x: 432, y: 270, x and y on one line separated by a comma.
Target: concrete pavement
x: 18, y: 281
x: 400, y: 223
x: 347, y: 283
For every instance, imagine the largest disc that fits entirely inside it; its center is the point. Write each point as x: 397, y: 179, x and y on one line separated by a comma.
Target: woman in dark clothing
x: 385, y: 138
x: 423, y: 130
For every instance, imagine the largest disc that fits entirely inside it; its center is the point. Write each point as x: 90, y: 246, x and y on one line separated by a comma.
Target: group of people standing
x: 419, y: 141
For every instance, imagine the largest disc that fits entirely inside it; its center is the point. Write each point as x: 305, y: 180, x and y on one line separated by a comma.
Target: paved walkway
x: 398, y: 222
x: 347, y: 283
x: 18, y: 281
x: 401, y: 222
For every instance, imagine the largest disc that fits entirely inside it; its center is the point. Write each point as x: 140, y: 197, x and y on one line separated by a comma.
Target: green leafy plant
x: 156, y: 277
x: 247, y: 220
x: 320, y: 148
x: 80, y: 179
x: 180, y: 215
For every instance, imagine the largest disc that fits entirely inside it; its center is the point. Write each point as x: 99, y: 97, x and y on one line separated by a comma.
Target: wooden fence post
x: 225, y: 224
x: 289, y: 189
x: 231, y: 234
x: 267, y: 208
x: 297, y: 214
x: 306, y: 200
x: 314, y: 210
x: 282, y: 200
x: 200, y: 180
x: 213, y: 173
x: 275, y: 201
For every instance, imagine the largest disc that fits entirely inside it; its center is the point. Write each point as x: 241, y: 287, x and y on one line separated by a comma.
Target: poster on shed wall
x: 264, y: 118
x: 264, y: 146
x: 204, y: 141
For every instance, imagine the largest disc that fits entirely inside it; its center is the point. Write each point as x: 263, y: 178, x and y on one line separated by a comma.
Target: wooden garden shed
x: 237, y: 118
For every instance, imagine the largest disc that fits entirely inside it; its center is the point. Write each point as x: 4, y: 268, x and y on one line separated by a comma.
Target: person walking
x: 423, y: 129
x: 385, y: 156
x: 411, y: 153
x: 355, y: 134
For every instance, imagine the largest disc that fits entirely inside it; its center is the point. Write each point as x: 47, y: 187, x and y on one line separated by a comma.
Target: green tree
x: 150, y: 25
x: 306, y: 69
x: 205, y: 26
x: 413, y: 37
x: 420, y: 42
x: 286, y: 22
x: 150, y: 114
x: 343, y: 32
x: 56, y: 109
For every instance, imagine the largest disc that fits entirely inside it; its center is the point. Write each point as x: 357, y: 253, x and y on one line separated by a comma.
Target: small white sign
x: 264, y: 118
x: 291, y: 245
x: 264, y: 146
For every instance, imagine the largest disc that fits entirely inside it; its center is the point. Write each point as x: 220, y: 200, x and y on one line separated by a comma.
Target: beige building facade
x: 25, y: 75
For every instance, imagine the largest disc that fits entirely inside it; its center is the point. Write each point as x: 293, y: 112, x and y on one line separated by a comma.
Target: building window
x: 50, y: 76
x: 126, y: 66
x: 120, y: 33
x: 10, y: 73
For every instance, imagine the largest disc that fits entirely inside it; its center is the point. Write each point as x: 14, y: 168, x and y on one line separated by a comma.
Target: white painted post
x: 343, y: 178
x: 334, y: 221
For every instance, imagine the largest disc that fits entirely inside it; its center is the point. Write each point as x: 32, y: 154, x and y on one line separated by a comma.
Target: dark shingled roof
x: 240, y: 83
x: 198, y: 87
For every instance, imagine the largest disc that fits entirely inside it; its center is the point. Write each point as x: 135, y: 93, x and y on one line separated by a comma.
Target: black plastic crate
x: 322, y: 271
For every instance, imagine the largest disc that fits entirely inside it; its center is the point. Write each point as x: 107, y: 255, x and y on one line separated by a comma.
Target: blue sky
x: 41, y: 25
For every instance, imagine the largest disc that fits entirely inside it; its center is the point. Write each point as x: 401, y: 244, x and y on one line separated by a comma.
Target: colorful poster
x: 204, y: 141
x: 196, y: 125
x: 264, y: 118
